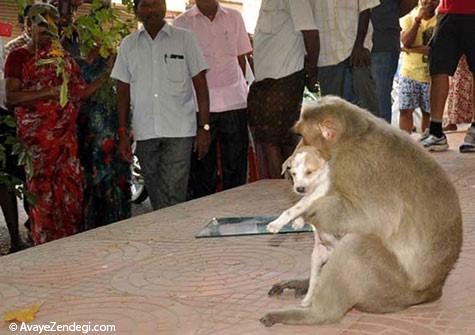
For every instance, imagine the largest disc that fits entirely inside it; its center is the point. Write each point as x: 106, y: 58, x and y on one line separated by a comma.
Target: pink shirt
x: 222, y: 41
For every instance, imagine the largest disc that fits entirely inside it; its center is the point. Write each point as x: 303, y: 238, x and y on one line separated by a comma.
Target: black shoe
x: 20, y: 245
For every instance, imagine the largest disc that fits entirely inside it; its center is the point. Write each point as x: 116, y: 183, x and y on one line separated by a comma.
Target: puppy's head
x: 303, y: 168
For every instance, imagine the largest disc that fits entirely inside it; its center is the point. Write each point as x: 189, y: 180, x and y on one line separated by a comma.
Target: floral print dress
x: 49, y: 133
x: 107, y: 178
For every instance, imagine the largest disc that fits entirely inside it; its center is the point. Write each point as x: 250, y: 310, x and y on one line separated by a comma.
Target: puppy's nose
x: 300, y: 189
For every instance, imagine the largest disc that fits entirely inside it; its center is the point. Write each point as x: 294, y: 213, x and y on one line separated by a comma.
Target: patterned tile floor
x: 149, y: 275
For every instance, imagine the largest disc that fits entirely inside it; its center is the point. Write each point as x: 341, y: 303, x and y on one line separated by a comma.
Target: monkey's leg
x: 361, y: 272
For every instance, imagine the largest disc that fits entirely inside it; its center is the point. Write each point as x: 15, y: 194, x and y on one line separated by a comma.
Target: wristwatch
x: 205, y: 126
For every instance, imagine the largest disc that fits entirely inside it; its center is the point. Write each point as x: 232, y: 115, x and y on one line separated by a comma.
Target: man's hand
x: 125, y: 149
x: 360, y: 57
x: 202, y: 141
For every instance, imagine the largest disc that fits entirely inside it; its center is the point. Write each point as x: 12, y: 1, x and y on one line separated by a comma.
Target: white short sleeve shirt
x: 338, y: 23
x: 279, y: 47
x: 160, y: 73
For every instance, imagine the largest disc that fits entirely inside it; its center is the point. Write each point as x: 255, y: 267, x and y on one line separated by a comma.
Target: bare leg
x: 439, y: 90
x: 425, y: 121
x: 406, y: 121
x: 273, y: 156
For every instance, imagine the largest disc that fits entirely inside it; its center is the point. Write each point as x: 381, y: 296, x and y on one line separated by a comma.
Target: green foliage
x: 102, y: 29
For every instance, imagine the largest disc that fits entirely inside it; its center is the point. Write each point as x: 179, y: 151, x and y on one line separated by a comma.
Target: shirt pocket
x: 176, y: 68
x: 230, y: 42
x: 273, y: 16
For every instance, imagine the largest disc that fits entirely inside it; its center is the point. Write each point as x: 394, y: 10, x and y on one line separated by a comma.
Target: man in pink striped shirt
x: 224, y: 41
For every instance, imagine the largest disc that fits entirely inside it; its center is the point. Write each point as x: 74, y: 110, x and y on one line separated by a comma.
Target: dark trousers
x: 229, y: 132
x: 165, y: 164
x: 354, y: 84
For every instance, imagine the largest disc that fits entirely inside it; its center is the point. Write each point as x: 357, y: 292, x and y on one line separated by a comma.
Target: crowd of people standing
x: 182, y: 96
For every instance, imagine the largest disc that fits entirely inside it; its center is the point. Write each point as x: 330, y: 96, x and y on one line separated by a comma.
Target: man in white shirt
x: 344, y: 60
x: 225, y: 43
x: 286, y: 46
x: 156, y: 69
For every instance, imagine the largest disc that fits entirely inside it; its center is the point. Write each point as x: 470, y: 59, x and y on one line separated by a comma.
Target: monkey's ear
x: 330, y: 129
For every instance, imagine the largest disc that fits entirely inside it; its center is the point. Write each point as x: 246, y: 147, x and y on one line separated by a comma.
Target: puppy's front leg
x: 288, y: 215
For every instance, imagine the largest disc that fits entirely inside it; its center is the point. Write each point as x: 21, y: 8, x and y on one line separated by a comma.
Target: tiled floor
x: 149, y: 275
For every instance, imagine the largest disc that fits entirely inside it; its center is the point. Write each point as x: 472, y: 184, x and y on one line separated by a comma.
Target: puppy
x: 310, y: 174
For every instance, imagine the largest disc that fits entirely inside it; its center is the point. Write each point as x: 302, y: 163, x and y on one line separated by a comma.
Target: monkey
x: 395, y: 207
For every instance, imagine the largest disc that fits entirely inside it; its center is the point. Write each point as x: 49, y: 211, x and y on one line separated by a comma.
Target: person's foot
x: 17, y: 246
x: 450, y: 127
x: 469, y: 141
x: 434, y: 143
x: 424, y: 135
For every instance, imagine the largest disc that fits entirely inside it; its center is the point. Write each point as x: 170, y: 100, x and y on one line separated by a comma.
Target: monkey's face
x: 305, y: 170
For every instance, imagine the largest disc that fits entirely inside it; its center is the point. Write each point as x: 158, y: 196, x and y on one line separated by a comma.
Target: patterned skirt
x: 459, y: 102
x: 274, y: 107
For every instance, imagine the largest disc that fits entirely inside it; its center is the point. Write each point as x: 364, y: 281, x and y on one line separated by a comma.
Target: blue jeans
x: 165, y: 164
x: 354, y: 84
x: 383, y: 69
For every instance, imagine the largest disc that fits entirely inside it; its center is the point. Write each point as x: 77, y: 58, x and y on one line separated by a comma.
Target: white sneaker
x: 424, y: 135
x: 434, y: 143
x: 469, y: 141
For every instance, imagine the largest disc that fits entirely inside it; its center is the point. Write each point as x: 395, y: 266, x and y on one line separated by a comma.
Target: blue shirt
x: 160, y: 73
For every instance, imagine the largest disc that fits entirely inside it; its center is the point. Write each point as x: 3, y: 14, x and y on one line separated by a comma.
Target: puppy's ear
x: 330, y: 129
x: 286, y: 165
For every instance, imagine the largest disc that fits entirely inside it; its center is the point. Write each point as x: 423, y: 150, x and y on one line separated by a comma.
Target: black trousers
x: 229, y: 131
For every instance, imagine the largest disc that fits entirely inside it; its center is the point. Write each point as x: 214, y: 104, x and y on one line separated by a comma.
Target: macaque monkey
x: 395, y: 207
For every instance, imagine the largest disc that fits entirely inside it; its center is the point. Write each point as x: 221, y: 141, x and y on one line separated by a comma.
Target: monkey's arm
x: 336, y: 215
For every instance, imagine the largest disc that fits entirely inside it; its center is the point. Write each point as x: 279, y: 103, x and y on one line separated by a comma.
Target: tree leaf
x: 63, y: 95
x: 26, y: 314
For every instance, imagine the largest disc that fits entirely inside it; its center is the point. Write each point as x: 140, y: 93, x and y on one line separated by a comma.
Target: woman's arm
x: 15, y: 96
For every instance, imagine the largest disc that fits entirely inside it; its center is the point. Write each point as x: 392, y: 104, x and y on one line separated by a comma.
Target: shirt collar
x: 166, y: 29
x: 194, y: 11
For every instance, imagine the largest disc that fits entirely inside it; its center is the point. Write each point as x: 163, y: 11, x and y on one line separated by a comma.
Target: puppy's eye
x: 308, y: 172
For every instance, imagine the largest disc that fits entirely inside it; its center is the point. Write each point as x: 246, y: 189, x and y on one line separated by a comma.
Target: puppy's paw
x: 298, y: 223
x: 306, y: 302
x: 275, y: 226
x: 269, y: 319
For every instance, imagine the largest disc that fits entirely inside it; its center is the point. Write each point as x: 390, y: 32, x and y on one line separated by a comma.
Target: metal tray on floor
x: 245, y: 225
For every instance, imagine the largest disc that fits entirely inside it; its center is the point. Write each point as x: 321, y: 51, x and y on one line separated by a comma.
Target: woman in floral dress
x: 107, y: 177
x: 46, y: 125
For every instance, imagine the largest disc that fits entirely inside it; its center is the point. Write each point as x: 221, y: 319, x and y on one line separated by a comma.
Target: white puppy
x: 311, y: 177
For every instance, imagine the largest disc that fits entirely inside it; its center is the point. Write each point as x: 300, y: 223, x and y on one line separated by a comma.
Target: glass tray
x: 245, y: 225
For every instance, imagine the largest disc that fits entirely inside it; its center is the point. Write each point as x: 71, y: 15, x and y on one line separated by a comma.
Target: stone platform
x: 149, y: 275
